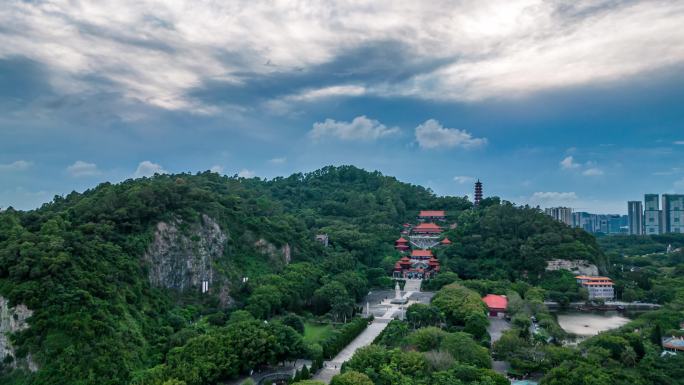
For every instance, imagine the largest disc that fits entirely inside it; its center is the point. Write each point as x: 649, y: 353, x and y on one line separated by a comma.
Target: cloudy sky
x: 579, y: 103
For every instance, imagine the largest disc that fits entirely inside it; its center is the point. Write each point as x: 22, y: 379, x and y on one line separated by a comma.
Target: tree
x: 464, y: 349
x: 265, y: 301
x: 429, y: 338
x: 476, y: 324
x: 457, y: 303
x: 420, y: 315
x: 326, y: 295
x: 294, y: 321
x: 351, y: 378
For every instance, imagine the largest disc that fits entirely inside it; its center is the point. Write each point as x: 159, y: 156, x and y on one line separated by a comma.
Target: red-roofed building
x: 496, y: 304
x: 401, y: 244
x: 430, y: 215
x: 421, y: 254
x: 416, y: 268
x: 427, y: 228
x: 445, y: 241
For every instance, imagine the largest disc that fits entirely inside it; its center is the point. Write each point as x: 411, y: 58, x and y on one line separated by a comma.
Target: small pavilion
x: 496, y: 304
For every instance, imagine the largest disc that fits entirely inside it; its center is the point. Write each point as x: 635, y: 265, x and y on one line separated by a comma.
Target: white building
x: 561, y: 214
x: 597, y: 287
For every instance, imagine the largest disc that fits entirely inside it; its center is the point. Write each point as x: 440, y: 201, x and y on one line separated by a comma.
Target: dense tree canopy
x: 77, y: 263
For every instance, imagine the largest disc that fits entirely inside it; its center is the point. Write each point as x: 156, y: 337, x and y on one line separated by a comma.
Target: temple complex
x: 418, y: 260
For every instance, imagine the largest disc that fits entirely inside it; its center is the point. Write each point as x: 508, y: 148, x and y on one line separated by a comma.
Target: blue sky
x: 577, y: 103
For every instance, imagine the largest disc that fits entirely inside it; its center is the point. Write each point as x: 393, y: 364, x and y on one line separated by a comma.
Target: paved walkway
x: 332, y: 367
x: 496, y: 327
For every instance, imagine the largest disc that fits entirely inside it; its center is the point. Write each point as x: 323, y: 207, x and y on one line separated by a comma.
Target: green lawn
x: 314, y: 333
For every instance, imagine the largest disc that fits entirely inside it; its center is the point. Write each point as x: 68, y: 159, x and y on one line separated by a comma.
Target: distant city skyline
x: 436, y: 95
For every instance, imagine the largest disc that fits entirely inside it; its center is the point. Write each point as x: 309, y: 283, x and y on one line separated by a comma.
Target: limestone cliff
x: 277, y: 256
x: 182, y: 255
x: 12, y: 320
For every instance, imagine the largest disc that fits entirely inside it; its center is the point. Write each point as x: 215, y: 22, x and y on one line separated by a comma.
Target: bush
x: 341, y: 338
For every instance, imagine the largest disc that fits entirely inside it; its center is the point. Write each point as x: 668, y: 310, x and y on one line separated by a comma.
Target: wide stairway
x: 332, y: 367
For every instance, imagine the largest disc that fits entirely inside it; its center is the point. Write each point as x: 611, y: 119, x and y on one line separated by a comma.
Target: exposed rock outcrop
x: 282, y: 255
x: 580, y: 266
x: 12, y: 320
x: 182, y: 255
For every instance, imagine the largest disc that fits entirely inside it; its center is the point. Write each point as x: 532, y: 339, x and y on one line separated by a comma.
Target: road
x: 332, y: 367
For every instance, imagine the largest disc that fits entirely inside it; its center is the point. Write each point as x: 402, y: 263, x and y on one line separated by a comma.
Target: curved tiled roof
x: 494, y: 301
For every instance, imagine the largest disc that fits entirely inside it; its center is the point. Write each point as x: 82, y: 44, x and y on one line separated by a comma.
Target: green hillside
x: 80, y: 263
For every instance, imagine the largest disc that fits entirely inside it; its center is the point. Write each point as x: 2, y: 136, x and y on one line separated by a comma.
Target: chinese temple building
x: 431, y: 215
x: 427, y: 228
x: 401, y: 244
x: 421, y: 254
x: 421, y: 263
x: 496, y: 304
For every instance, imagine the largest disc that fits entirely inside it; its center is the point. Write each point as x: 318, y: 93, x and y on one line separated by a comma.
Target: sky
x: 574, y: 103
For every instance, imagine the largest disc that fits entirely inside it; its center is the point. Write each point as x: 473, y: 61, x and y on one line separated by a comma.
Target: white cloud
x: 361, y: 128
x: 327, y: 92
x: 147, y: 168
x: 432, y: 134
x: 278, y: 160
x: 679, y: 142
x: 592, y: 171
x: 217, y: 169
x: 244, y: 173
x: 588, y: 169
x: 82, y: 169
x: 18, y: 165
x: 463, y: 179
x: 569, y: 163
x: 158, y: 52
x: 553, y: 198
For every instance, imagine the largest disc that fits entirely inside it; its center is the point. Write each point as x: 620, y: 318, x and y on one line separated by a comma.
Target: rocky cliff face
x: 12, y: 320
x: 181, y: 256
x: 278, y: 256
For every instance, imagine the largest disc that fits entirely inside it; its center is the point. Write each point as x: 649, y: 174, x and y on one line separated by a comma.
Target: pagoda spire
x: 478, y: 192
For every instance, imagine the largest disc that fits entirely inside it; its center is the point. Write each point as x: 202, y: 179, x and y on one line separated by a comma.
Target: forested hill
x: 112, y: 276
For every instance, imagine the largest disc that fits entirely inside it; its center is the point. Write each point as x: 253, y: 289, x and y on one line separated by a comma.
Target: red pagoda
x: 401, y: 244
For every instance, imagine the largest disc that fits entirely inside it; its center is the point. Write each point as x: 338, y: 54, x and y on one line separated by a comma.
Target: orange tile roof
x: 494, y: 301
x: 432, y: 213
x: 427, y: 226
x: 598, y: 283
x: 421, y: 253
x: 592, y: 278
x: 446, y: 241
x: 401, y: 240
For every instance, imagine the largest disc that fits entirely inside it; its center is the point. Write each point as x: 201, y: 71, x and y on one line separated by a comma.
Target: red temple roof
x: 421, y: 253
x: 431, y: 213
x: 446, y: 241
x: 401, y: 240
x: 494, y: 301
x: 427, y: 226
